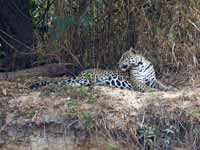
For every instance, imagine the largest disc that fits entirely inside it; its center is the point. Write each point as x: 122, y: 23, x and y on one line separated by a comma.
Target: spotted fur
x: 91, y: 77
x: 141, y: 71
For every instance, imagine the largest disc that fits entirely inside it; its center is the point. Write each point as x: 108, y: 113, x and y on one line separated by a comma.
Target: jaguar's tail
x: 71, y: 82
x: 160, y: 86
x: 37, y: 85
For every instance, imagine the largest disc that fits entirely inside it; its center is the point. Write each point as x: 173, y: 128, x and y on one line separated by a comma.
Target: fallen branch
x: 49, y: 70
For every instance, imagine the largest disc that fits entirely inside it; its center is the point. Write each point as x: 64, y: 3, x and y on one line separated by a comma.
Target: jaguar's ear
x: 131, y: 49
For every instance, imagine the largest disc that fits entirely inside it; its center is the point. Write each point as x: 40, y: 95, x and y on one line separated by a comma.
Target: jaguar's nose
x: 123, y: 67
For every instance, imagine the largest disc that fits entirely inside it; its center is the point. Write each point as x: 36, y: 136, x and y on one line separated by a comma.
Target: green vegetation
x: 196, y: 113
x: 111, y: 146
x: 73, y: 106
x: 67, y: 91
x: 167, y: 28
x: 88, y: 120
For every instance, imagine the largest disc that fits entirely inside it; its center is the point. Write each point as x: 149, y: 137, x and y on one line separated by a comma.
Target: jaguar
x: 91, y: 77
x: 141, y: 71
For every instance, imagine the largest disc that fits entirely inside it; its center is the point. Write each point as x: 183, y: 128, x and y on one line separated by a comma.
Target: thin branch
x: 11, y: 37
x: 14, y: 48
x: 196, y: 27
x: 75, y: 58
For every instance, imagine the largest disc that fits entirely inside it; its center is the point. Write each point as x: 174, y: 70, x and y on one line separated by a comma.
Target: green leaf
x: 69, y: 21
x: 87, y: 21
x: 61, y: 25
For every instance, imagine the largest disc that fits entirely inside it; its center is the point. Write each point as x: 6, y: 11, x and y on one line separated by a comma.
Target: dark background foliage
x: 95, y: 33
x: 16, y: 35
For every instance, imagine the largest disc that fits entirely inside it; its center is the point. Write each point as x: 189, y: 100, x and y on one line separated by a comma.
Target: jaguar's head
x: 128, y: 59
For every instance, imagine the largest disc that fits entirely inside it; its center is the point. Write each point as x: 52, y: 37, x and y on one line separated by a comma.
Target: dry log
x: 49, y: 70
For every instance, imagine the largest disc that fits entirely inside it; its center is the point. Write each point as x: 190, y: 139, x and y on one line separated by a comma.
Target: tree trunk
x: 59, y: 4
x: 16, y: 35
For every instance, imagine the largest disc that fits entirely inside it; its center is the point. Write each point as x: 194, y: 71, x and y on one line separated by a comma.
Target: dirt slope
x: 97, y: 118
